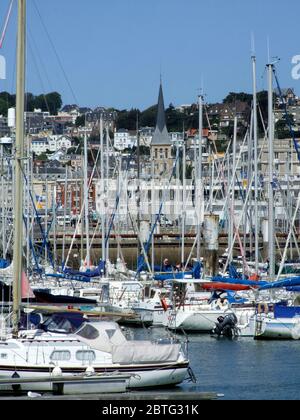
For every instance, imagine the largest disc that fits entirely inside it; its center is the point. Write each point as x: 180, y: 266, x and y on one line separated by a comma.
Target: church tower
x: 161, y: 145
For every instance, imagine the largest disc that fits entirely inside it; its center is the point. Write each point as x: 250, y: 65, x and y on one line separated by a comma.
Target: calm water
x: 243, y: 369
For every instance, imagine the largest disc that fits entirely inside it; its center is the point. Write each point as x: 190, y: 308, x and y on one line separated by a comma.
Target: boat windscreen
x: 88, y: 332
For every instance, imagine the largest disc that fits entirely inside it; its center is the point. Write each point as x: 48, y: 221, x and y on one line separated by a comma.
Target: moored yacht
x: 94, y: 349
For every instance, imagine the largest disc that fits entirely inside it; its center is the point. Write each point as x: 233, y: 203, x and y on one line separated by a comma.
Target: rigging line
x: 34, y: 44
x: 4, y: 30
x: 55, y: 52
x: 40, y: 77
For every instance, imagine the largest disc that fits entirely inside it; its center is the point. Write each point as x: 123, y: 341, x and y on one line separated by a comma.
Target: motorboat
x: 94, y: 349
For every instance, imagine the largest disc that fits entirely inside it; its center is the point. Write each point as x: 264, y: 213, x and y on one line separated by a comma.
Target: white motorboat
x: 95, y: 349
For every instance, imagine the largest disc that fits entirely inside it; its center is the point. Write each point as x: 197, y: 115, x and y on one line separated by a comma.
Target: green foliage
x: 43, y: 157
x: 282, y: 129
x: 148, y: 117
x: 128, y: 119
x: 51, y: 102
x: 234, y: 97
x: 80, y: 121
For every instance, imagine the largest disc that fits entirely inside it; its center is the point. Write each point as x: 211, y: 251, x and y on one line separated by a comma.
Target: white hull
x: 159, y: 376
x: 193, y: 320
x: 278, y: 329
x: 204, y: 320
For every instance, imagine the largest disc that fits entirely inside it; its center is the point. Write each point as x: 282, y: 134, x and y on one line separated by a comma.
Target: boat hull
x: 141, y: 377
x: 198, y: 321
x: 277, y: 329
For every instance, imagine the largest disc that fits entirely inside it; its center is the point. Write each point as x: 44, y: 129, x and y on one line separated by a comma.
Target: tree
x: 234, y: 97
x: 80, y: 121
x: 128, y: 119
x: 282, y: 127
x: 148, y: 117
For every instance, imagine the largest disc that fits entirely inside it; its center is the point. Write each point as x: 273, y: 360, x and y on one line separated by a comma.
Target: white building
x: 124, y: 139
x: 52, y: 144
x: 152, y: 194
x: 72, y: 115
x: 146, y: 135
x: 57, y: 142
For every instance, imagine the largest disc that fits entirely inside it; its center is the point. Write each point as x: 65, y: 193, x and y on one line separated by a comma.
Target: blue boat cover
x: 291, y: 282
x: 195, y: 273
x: 4, y: 264
x: 282, y: 311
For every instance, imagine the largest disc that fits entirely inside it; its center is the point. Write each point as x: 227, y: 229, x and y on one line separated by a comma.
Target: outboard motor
x: 227, y: 326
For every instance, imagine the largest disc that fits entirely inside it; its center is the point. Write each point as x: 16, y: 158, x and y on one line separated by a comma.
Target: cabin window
x: 3, y: 356
x: 58, y: 356
x: 88, y: 332
x: 85, y: 356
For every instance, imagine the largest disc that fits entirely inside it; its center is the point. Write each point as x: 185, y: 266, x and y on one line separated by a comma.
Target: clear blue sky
x: 113, y: 50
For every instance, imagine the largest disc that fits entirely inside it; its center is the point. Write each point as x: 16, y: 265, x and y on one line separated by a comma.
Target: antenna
x: 253, y: 53
x: 268, y: 48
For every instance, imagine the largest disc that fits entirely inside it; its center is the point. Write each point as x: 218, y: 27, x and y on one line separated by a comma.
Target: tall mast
x: 138, y: 179
x: 183, y: 199
x: 19, y: 153
x: 107, y: 187
x: 231, y: 181
x: 103, y: 227
x: 271, y: 172
x: 199, y: 182
x: 255, y: 138
x: 86, y: 202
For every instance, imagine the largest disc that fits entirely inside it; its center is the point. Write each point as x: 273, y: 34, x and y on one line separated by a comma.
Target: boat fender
x: 57, y: 371
x: 164, y: 304
x: 90, y: 371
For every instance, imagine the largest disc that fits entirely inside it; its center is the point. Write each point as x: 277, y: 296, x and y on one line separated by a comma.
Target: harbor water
x: 242, y: 369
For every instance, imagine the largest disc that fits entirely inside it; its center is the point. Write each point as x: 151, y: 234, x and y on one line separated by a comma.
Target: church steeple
x: 161, y: 145
x: 161, y: 135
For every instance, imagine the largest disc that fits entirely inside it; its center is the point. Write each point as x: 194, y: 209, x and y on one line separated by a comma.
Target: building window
x: 166, y: 153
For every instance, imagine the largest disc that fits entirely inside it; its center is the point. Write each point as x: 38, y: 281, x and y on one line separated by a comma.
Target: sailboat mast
x: 199, y: 182
x: 102, y: 174
x: 255, y: 139
x: 86, y: 203
x: 271, y: 172
x: 19, y: 153
x: 183, y: 199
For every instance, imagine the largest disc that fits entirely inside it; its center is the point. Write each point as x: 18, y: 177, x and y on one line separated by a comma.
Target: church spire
x: 161, y: 135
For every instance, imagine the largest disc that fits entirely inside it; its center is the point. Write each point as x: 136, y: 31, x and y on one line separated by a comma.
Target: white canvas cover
x: 134, y: 352
x: 101, y: 336
x: 107, y: 337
